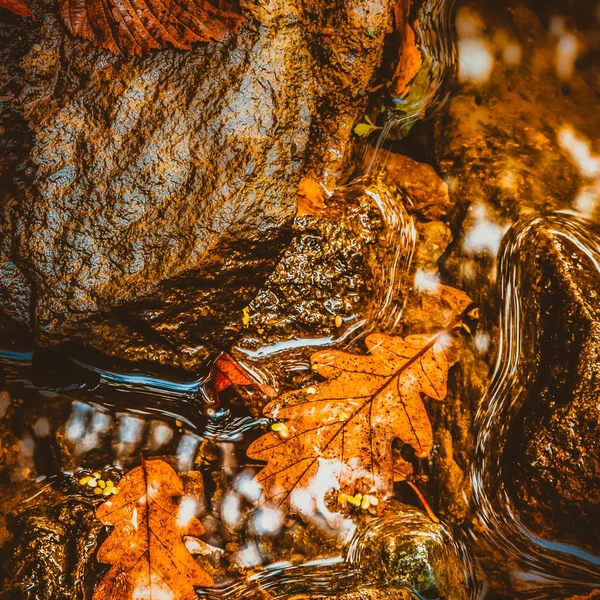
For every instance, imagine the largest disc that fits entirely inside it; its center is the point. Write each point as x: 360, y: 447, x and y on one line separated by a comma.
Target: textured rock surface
x: 405, y: 547
x: 50, y: 555
x: 334, y: 278
x: 166, y: 186
x: 555, y: 440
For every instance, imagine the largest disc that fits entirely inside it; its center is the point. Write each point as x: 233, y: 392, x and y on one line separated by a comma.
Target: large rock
x: 538, y: 438
x: 51, y: 551
x: 166, y: 186
x: 345, y: 272
x: 556, y: 436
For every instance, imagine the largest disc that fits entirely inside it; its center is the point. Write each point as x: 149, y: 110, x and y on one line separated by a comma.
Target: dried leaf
x: 138, y: 26
x: 18, y: 7
x: 146, y: 550
x: 338, y: 434
x: 411, y: 59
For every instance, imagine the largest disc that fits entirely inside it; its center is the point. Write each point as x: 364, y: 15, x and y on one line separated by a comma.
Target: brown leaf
x: 338, y: 434
x: 145, y: 548
x: 138, y: 26
x: 410, y: 60
x: 18, y: 7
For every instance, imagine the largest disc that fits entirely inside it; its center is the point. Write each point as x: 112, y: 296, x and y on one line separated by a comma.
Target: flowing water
x: 104, y: 411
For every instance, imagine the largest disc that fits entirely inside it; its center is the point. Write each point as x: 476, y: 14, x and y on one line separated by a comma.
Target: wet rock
x: 49, y: 557
x: 346, y: 268
x: 537, y: 450
x: 406, y: 548
x: 426, y: 193
x: 166, y: 186
x: 506, y: 137
x: 553, y: 448
x: 15, y: 139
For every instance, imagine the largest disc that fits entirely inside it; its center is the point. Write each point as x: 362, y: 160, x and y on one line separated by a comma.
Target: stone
x: 165, y: 187
x: 344, y: 272
x: 50, y: 554
x: 555, y: 437
x: 427, y: 195
x: 535, y: 467
x: 405, y: 548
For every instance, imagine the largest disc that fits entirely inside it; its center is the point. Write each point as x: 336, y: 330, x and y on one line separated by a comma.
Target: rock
x: 555, y: 437
x: 508, y: 135
x: 347, y: 38
x: 50, y: 555
x: 166, y: 186
x: 537, y: 452
x: 405, y: 548
x: 344, y: 272
x: 15, y: 138
x: 426, y: 193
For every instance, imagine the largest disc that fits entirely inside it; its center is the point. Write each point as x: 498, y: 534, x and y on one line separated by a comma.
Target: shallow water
x: 109, y: 414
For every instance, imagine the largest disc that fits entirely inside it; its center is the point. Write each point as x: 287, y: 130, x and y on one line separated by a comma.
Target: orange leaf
x: 410, y: 60
x: 339, y: 433
x: 138, y: 26
x: 18, y: 7
x: 145, y: 548
x: 311, y: 197
x: 227, y: 372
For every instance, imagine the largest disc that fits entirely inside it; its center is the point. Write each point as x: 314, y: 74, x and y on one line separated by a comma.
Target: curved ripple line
x: 552, y: 562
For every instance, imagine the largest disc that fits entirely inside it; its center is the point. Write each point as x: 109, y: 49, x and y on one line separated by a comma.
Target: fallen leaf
x: 366, y: 128
x: 227, y: 372
x: 18, y: 7
x: 311, y: 197
x: 138, y: 26
x: 410, y: 60
x: 146, y: 550
x: 338, y: 434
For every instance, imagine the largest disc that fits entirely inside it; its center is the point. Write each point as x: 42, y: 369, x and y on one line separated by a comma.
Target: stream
x: 519, y: 236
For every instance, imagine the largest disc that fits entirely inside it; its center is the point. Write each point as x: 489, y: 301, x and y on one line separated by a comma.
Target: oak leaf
x: 138, y: 26
x: 145, y: 548
x: 338, y: 434
x: 18, y: 7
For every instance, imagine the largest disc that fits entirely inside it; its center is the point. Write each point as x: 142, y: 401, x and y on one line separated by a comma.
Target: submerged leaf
x: 227, y: 372
x: 138, y: 26
x: 145, y: 548
x: 366, y: 128
x: 338, y: 434
x: 411, y: 59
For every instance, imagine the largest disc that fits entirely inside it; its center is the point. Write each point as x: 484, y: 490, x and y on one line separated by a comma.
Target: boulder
x: 554, y: 442
x: 165, y: 186
x: 346, y: 271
